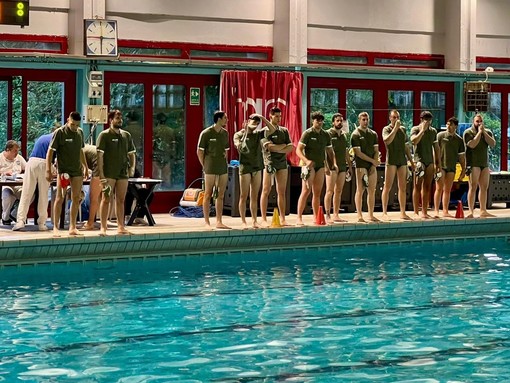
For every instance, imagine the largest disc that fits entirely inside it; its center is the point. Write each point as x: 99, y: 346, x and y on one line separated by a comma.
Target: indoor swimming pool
x: 430, y: 312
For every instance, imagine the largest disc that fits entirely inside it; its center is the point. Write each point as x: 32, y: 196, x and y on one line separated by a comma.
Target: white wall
x: 243, y: 22
x: 493, y: 28
x: 404, y: 26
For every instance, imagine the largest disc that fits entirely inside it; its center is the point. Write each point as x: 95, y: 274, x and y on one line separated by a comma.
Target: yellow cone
x: 276, y: 219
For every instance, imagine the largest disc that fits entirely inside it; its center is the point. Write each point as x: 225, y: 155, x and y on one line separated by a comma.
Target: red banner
x: 245, y: 92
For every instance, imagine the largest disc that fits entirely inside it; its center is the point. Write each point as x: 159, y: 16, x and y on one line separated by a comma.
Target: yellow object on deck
x: 276, y: 219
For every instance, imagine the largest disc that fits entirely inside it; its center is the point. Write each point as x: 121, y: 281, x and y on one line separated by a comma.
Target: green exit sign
x: 194, y: 96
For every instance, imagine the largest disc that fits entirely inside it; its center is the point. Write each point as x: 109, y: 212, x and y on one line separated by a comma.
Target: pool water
x: 416, y: 313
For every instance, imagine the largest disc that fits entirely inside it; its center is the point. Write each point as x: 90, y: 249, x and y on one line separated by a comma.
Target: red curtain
x: 245, y: 92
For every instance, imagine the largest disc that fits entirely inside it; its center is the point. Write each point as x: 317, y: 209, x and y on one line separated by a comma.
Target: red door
x: 165, y: 114
x: 378, y: 97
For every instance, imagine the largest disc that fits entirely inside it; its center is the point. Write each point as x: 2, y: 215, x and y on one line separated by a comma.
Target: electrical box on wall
x: 97, y: 114
x: 96, y: 84
x: 476, y: 96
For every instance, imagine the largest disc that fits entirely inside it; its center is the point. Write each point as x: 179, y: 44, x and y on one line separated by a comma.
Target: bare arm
x: 409, y: 156
x: 416, y: 137
x: 49, y: 157
x: 331, y: 159
x: 201, y: 155
x: 270, y: 127
x: 475, y: 141
x: 363, y: 156
x: 279, y: 148
x: 83, y: 160
x: 437, y: 155
x: 489, y: 139
x: 390, y: 137
x: 462, y: 160
x: 301, y: 154
x: 100, y: 164
x: 132, y: 164
x: 348, y: 159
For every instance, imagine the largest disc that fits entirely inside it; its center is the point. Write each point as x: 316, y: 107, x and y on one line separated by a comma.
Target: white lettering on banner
x: 257, y: 105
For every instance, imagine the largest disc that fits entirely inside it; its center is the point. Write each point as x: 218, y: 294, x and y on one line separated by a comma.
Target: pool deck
x: 182, y: 236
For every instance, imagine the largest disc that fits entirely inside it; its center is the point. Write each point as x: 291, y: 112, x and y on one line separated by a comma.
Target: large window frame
x: 68, y: 77
x: 380, y: 90
x: 194, y: 118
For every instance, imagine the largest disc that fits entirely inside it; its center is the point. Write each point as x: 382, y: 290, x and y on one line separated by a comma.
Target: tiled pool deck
x: 182, y: 236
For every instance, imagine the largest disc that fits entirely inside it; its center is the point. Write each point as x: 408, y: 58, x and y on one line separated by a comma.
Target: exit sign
x: 194, y: 96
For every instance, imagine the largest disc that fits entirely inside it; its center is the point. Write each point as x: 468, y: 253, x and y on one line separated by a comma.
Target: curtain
x: 245, y: 92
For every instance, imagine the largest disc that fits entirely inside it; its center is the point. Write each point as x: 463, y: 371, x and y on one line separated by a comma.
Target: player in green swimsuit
x: 278, y: 143
x: 452, y: 149
x: 335, y: 179
x: 397, y: 156
x: 67, y: 142
x: 213, y: 145
x: 247, y: 142
x: 366, y: 149
x: 116, y: 161
x: 478, y: 139
x: 426, y: 157
x: 313, y: 146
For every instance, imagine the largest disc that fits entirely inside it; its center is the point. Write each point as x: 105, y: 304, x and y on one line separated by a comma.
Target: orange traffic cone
x: 460, y: 210
x: 276, y: 219
x: 319, y: 219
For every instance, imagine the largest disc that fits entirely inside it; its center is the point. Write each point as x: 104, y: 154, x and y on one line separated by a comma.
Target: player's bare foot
x: 255, y: 225
x: 299, y: 222
x: 385, y: 217
x: 361, y: 220
x: 244, y: 226
x: 88, y: 228
x: 74, y: 232
x: 338, y: 219
x: 56, y: 233
x: 264, y: 223
x: 222, y: 226
x: 123, y: 231
x: 102, y: 233
x: 447, y: 215
x: 486, y: 214
x: 470, y: 216
x: 374, y: 219
x: 405, y: 217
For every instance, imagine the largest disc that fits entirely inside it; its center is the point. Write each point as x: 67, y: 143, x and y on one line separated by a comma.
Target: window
x: 129, y: 98
x: 168, y: 140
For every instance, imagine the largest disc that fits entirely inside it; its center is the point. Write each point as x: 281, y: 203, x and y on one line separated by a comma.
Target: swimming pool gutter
x: 72, y: 249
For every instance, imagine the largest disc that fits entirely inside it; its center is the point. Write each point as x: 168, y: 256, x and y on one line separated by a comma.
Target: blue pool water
x: 427, y: 313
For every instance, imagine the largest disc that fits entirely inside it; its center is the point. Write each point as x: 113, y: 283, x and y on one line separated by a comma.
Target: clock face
x: 100, y: 38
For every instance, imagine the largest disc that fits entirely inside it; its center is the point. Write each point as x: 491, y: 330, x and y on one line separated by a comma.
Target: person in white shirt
x: 11, y: 164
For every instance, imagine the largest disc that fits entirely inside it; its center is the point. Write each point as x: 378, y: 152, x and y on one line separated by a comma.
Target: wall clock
x: 101, y: 38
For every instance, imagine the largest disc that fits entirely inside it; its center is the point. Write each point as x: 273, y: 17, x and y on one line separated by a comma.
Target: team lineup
x: 332, y: 158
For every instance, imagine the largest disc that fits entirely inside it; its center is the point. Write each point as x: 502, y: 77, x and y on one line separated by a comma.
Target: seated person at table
x: 11, y: 163
x: 132, y: 191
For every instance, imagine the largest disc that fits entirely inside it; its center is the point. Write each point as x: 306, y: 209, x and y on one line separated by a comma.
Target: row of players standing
x: 325, y: 154
x: 115, y: 155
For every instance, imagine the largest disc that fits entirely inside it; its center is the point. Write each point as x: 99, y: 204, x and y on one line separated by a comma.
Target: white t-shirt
x: 15, y: 166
